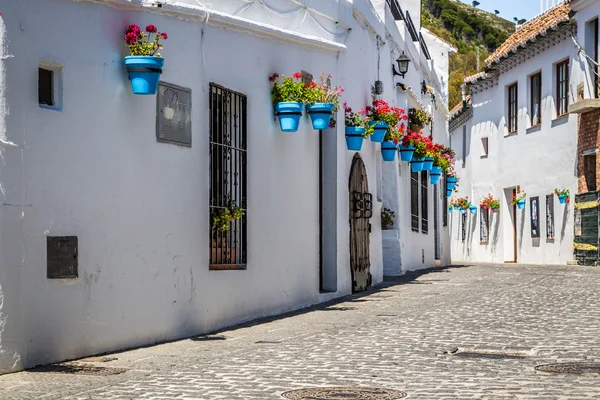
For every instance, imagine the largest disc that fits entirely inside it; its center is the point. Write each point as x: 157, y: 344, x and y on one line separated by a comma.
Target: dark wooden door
x: 361, y: 211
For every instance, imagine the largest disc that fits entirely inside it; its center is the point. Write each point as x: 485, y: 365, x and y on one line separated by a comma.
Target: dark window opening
x: 536, y: 98
x: 463, y: 226
x: 562, y: 88
x: 445, y: 204
x: 484, y: 225
x: 414, y: 201
x: 589, y: 171
x: 513, y: 108
x: 61, y: 257
x: 424, y: 205
x: 550, y: 216
x: 228, y: 176
x: 45, y: 86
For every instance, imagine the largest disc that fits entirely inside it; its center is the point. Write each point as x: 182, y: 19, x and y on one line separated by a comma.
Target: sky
x: 511, y: 8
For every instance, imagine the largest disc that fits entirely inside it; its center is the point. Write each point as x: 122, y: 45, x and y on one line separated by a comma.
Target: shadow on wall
x: 564, y: 223
x: 496, y: 229
x: 522, y: 230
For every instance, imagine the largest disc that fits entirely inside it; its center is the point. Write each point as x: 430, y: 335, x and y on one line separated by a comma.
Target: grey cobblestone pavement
x: 409, y: 335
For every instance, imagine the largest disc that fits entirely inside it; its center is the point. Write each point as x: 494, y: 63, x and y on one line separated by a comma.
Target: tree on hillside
x: 516, y: 19
x: 496, y: 12
x: 476, y: 3
x: 522, y: 21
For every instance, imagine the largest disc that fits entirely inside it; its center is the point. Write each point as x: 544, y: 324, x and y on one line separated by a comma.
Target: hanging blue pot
x: 448, y: 193
x: 416, y: 165
x: 354, y: 138
x: 388, y: 150
x: 427, y: 163
x: 463, y: 211
x: 450, y: 209
x: 563, y: 200
x: 380, y: 130
x: 473, y: 209
x: 521, y: 204
x: 451, y: 182
x: 144, y: 73
x: 456, y: 207
x: 435, y: 174
x: 289, y: 113
x: 406, y: 153
x: 320, y: 114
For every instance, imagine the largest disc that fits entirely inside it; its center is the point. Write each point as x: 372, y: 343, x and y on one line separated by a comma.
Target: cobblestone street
x: 413, y: 335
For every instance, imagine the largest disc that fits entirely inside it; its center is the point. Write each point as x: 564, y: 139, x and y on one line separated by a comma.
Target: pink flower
x: 362, y: 111
x: 131, y: 38
x: 133, y: 28
x: 164, y: 35
x: 151, y: 28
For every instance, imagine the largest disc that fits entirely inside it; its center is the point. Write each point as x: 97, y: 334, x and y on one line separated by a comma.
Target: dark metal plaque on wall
x: 61, y: 257
x: 174, y: 114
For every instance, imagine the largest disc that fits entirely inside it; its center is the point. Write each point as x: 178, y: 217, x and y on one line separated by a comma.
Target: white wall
x: 538, y: 159
x: 140, y: 208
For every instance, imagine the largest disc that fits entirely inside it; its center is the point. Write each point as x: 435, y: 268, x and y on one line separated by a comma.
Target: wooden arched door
x: 361, y: 211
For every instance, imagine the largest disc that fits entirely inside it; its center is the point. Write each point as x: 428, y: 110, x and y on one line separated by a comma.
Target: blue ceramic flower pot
x: 451, y: 182
x: 320, y: 114
x: 388, y: 150
x: 463, y: 211
x: 456, y: 207
x: 144, y: 73
x: 562, y: 200
x: 435, y: 174
x: 473, y: 209
x: 380, y: 130
x: 354, y: 138
x: 449, y: 194
x: 416, y: 165
x: 521, y: 204
x: 450, y: 209
x: 288, y: 113
x: 406, y: 153
x: 427, y: 163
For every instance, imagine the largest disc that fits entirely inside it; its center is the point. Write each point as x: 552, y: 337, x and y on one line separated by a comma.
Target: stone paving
x: 410, y: 335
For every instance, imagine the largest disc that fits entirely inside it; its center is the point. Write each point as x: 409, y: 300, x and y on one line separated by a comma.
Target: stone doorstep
x: 584, y: 106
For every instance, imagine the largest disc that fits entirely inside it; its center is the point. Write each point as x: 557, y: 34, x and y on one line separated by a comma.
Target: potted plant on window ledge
x: 490, y: 203
x: 145, y: 63
x: 221, y: 220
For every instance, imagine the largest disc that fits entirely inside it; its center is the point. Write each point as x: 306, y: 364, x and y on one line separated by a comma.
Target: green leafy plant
x: 323, y: 93
x: 463, y: 202
x: 418, y: 117
x: 519, y: 196
x: 387, y: 218
x: 286, y: 89
x: 223, y: 217
x: 444, y: 158
x: 142, y: 43
x: 562, y: 192
x: 357, y: 120
x: 490, y: 203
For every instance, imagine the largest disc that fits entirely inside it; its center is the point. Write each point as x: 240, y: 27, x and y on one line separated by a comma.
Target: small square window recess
x: 50, y: 86
x: 46, y: 86
x: 484, y: 147
x: 62, y: 257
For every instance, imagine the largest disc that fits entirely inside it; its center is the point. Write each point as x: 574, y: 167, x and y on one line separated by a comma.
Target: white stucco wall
x: 538, y: 159
x: 140, y: 208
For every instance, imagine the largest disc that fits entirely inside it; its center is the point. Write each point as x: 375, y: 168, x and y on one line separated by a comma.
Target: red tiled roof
x: 459, y: 106
x: 532, y: 28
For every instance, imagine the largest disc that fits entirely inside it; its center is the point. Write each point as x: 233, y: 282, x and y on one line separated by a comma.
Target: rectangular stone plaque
x: 61, y: 257
x: 174, y: 114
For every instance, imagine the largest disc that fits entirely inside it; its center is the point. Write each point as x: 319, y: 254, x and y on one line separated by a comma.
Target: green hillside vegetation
x: 474, y: 32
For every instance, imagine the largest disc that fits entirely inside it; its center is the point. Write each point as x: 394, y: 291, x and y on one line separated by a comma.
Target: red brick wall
x: 588, y: 138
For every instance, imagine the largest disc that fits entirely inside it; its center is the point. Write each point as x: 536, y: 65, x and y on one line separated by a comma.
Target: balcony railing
x: 424, y: 48
x: 411, y: 28
x: 396, y: 10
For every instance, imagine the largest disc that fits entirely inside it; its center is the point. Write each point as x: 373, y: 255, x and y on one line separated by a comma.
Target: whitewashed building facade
x: 515, y: 132
x: 85, y: 168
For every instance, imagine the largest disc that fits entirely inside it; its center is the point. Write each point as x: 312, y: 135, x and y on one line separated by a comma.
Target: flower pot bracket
x: 362, y: 205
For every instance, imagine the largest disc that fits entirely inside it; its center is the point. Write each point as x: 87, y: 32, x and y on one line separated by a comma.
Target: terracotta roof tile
x: 532, y: 28
x: 459, y: 106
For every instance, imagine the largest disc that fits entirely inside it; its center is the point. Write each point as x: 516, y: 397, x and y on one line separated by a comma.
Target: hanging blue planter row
x: 463, y: 211
x: 427, y: 163
x: 388, y: 150
x: 380, y: 130
x: 320, y: 114
x: 451, y: 182
x: 416, y: 165
x: 473, y: 209
x: 406, y: 153
x: 289, y: 113
x: 521, y: 204
x: 562, y: 198
x: 144, y: 73
x: 354, y: 138
x: 435, y: 174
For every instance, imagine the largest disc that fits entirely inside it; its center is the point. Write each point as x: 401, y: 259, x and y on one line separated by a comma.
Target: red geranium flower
x: 151, y: 28
x: 133, y: 28
x: 164, y: 35
x: 131, y: 38
x: 297, y: 75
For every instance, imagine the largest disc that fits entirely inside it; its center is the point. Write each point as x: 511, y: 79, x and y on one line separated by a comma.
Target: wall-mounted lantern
x: 402, y: 62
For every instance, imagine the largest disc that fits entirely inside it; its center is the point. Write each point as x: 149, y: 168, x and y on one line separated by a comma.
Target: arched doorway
x: 361, y: 210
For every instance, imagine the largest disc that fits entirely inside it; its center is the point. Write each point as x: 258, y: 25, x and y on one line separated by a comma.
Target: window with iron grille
x: 484, y: 225
x: 445, y: 204
x: 513, y: 108
x: 562, y: 88
x: 589, y: 171
x: 536, y: 98
x: 414, y: 201
x: 228, y: 176
x: 424, y: 205
x: 463, y: 226
x: 549, y: 216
